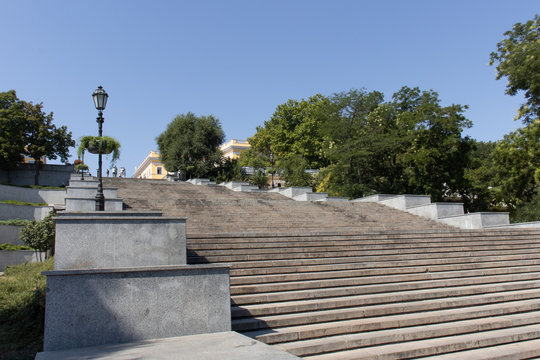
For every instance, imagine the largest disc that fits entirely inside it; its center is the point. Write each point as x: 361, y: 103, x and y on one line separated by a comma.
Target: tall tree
x: 518, y: 59
x: 27, y: 130
x: 190, y: 144
x: 293, y: 130
x: 44, y: 139
x: 517, y: 162
x: 12, y: 123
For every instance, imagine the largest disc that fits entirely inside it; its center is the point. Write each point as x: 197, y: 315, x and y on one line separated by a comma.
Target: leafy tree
x: 44, y: 139
x: 190, y: 145
x: 436, y: 154
x: 39, y: 235
x: 409, y: 145
x: 27, y: 130
x: 294, y: 129
x: 518, y: 58
x: 12, y: 130
x: 481, y: 190
x: 230, y: 170
x: 517, y: 163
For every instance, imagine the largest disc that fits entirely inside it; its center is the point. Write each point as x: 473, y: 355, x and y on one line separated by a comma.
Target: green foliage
x: 529, y: 210
x: 517, y: 163
x: 518, y: 59
x: 22, y: 310
x: 22, y: 203
x: 14, y: 222
x: 294, y: 129
x: 10, y: 247
x: 230, y: 170
x: 26, y: 130
x: 40, y: 234
x: 81, y: 167
x: 12, y: 129
x: 480, y: 193
x: 364, y: 145
x: 293, y: 171
x: 95, y: 144
x: 190, y: 145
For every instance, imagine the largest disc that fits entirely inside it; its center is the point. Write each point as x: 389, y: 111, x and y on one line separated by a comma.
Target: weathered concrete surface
x: 232, y: 184
x: 17, y: 257
x: 245, y: 188
x: 111, y: 213
x: 477, y: 220
x: 10, y: 234
x: 333, y: 199
x: 25, y: 212
x: 111, y: 306
x: 437, y: 210
x: 91, y: 242
x: 77, y: 182
x: 310, y: 196
x: 32, y: 195
x: 49, y: 175
x: 217, y: 346
x: 89, y: 204
x: 295, y: 191
x: 90, y: 192
x: 403, y: 202
x: 525, y: 225
x: 374, y: 198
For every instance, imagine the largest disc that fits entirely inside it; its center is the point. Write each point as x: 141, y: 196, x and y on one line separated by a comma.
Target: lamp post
x: 100, y: 101
x: 272, y: 170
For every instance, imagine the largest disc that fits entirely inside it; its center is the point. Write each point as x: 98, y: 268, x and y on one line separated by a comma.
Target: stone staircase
x: 343, y: 280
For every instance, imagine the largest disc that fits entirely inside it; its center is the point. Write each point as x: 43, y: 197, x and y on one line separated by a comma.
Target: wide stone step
x: 366, y: 255
x: 313, y: 331
x: 243, y: 298
x: 276, y: 243
x: 399, y: 335
x: 475, y: 269
x: 380, y: 279
x: 375, y: 261
x: 375, y: 299
x: 358, y: 312
x: 529, y: 349
x: 443, y: 345
x: 356, y: 249
x: 297, y: 272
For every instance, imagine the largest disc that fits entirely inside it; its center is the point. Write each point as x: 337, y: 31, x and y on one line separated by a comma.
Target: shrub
x: 39, y: 235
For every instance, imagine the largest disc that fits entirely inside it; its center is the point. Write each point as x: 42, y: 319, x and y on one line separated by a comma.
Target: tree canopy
x: 363, y: 144
x: 518, y: 59
x: 27, y: 130
x: 190, y: 144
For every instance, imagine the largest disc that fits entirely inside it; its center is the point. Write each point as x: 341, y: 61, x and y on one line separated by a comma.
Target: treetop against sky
x: 238, y: 60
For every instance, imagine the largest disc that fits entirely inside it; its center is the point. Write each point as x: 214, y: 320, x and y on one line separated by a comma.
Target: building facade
x: 151, y: 167
x: 233, y: 148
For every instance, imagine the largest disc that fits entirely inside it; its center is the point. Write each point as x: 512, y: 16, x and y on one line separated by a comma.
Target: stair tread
x: 455, y: 328
x: 433, y: 346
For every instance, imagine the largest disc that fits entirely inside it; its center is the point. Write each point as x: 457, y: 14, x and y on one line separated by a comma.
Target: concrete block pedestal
x: 92, y: 307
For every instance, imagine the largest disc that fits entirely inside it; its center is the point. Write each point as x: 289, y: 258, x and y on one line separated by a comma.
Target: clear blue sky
x: 238, y: 60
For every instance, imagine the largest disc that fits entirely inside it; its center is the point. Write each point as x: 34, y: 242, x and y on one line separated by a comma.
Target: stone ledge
x: 134, y: 269
x: 217, y: 346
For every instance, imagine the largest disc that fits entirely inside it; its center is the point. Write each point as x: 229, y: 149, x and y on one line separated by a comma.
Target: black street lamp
x: 100, y: 101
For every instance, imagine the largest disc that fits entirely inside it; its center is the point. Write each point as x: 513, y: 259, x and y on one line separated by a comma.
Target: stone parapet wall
x: 104, y: 306
x: 49, y: 175
x: 91, y: 242
x: 48, y: 196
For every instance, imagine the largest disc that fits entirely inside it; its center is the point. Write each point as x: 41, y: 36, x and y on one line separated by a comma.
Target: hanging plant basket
x: 96, y: 144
